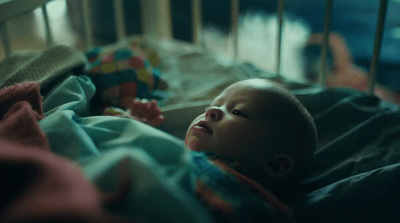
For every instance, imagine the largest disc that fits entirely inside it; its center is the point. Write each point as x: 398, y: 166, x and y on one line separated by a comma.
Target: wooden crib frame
x: 157, y: 23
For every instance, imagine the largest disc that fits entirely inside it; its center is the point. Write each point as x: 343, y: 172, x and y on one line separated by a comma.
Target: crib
x: 60, y: 160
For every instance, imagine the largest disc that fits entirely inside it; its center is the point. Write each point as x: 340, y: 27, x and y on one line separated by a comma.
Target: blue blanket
x: 355, y: 176
x: 168, y: 182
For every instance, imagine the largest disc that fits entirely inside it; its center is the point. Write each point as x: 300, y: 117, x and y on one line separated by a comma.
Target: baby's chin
x: 195, y: 144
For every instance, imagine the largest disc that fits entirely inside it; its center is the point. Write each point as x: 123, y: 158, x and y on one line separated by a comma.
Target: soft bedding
x: 355, y: 176
x: 159, y: 177
x: 145, y: 173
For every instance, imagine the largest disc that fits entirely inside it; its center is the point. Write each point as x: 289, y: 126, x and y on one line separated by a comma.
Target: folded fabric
x: 169, y: 183
x: 26, y: 91
x: 20, y: 127
x: 44, y: 67
x: 38, y: 186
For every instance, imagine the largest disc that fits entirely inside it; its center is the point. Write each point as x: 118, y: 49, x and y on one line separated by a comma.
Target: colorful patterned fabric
x: 121, y: 75
x: 231, y: 196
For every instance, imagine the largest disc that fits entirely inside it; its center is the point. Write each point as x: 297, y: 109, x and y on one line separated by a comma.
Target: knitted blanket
x: 43, y: 67
x: 233, y: 197
x: 121, y: 74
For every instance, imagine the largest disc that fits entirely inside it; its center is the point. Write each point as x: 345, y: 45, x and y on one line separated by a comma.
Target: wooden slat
x: 281, y: 4
x: 13, y: 8
x: 377, y: 45
x: 196, y: 21
x: 49, y: 36
x: 325, y: 40
x: 87, y: 24
x: 144, y: 17
x: 164, y: 24
x: 156, y: 18
x: 5, y: 39
x: 235, y: 23
x: 119, y: 17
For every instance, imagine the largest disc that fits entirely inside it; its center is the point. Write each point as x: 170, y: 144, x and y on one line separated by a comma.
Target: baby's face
x: 235, y: 124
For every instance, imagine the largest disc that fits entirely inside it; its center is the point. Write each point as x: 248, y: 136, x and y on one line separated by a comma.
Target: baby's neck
x: 227, y: 161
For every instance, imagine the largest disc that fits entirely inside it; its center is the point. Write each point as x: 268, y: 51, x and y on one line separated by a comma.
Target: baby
x: 256, y: 123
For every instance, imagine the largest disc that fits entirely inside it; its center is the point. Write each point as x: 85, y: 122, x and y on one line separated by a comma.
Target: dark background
x: 355, y: 20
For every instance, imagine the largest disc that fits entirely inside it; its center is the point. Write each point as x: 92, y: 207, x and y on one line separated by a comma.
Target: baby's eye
x: 239, y: 113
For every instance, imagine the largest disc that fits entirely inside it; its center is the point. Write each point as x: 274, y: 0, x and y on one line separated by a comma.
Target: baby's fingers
x: 156, y: 121
x: 154, y: 110
x: 139, y: 108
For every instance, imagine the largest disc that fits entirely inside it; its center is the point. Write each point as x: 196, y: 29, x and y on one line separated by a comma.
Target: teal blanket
x: 99, y: 144
x: 355, y: 176
x: 168, y: 182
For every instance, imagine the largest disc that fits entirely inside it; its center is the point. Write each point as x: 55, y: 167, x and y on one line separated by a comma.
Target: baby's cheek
x: 240, y: 137
x: 237, y: 129
x: 188, y: 138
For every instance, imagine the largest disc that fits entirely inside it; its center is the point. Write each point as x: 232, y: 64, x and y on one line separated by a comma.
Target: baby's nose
x: 214, y: 113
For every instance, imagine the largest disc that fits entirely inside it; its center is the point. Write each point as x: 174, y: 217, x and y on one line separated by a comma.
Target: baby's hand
x: 147, y: 112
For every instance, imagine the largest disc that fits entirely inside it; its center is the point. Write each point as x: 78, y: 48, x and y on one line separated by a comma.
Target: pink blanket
x: 36, y: 185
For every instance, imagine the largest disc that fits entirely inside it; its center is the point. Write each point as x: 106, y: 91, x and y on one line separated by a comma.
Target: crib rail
x: 325, y: 40
x: 13, y: 8
x: 158, y: 23
x: 377, y: 45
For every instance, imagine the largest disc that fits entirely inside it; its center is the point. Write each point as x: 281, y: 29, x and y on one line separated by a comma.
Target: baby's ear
x: 280, y: 166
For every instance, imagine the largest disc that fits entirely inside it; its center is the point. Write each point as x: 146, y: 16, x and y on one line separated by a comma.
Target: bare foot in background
x: 342, y: 72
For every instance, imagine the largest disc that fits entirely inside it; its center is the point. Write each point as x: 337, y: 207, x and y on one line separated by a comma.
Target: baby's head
x: 262, y: 126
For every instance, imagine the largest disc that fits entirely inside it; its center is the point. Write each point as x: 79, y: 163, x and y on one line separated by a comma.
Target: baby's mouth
x: 203, y: 126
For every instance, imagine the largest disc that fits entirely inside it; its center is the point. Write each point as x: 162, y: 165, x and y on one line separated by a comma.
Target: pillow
x: 122, y: 74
